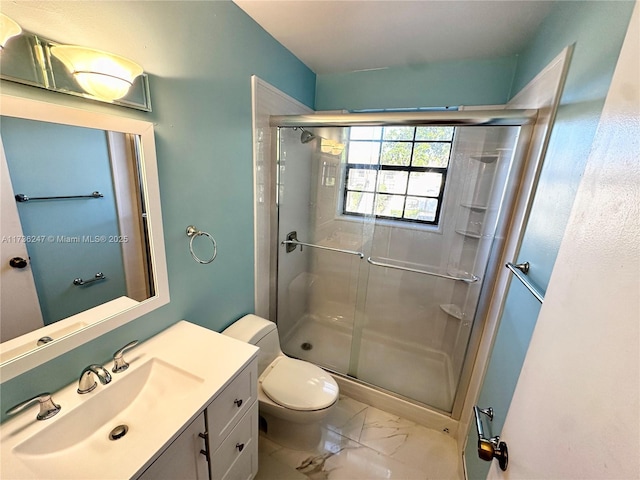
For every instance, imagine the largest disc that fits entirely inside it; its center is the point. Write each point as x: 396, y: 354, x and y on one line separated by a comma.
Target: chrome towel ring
x: 193, y: 232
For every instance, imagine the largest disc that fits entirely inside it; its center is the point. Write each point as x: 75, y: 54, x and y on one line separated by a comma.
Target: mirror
x: 82, y: 247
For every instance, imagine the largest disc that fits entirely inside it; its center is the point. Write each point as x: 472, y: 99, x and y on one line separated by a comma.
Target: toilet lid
x: 299, y: 385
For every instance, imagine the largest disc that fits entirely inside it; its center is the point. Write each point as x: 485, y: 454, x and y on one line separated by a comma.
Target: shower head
x: 306, y: 136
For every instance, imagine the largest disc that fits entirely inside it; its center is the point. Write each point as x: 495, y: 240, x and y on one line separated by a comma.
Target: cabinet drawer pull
x: 240, y: 446
x: 238, y: 402
x: 205, y: 450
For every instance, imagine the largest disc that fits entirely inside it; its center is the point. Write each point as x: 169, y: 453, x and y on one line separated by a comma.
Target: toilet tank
x: 259, y: 332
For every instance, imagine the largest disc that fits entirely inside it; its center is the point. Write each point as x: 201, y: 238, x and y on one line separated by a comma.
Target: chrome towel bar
x: 523, y: 268
x: 490, y: 448
x: 471, y: 279
x: 21, y: 197
x: 98, y: 276
x: 292, y: 243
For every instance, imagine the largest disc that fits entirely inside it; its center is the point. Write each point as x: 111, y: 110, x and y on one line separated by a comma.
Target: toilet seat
x: 299, y: 385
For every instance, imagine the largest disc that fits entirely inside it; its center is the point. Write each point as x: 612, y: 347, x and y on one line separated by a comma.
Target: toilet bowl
x: 294, y: 396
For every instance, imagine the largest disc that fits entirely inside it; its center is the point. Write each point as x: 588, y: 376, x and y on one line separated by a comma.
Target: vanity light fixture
x: 36, y: 61
x: 99, y: 73
x: 8, y: 29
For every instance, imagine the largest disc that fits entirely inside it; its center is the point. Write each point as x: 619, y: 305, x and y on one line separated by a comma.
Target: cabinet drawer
x: 237, y: 456
x: 229, y: 407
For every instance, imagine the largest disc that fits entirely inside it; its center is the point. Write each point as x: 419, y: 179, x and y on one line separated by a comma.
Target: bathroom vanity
x: 223, y: 439
x: 187, y: 405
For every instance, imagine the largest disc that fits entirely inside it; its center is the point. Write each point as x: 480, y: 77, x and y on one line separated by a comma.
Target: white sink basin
x: 138, y: 401
x: 170, y: 379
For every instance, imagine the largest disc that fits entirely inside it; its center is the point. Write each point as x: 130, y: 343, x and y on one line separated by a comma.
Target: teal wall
x: 202, y: 117
x: 437, y: 84
x: 597, y: 28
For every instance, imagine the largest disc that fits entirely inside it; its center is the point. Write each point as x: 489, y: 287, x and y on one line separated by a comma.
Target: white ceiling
x: 332, y: 36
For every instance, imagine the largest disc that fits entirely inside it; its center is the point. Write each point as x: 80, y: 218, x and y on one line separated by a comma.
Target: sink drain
x: 306, y: 346
x: 118, y: 432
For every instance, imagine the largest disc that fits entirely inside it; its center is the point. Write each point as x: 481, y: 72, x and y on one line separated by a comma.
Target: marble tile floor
x: 360, y: 442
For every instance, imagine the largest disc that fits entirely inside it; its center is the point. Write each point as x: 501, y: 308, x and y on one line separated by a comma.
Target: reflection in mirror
x: 82, y: 249
x: 78, y: 200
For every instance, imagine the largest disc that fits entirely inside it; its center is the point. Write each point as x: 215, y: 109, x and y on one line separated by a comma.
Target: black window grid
x: 403, y: 168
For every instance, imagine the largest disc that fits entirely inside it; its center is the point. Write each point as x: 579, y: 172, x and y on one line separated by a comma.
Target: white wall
x: 576, y: 409
x: 266, y: 101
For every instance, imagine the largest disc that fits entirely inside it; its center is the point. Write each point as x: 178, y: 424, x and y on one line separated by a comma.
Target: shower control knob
x: 17, y: 262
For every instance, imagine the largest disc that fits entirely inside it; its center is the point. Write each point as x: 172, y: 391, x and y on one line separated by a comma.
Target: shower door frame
x: 523, y: 118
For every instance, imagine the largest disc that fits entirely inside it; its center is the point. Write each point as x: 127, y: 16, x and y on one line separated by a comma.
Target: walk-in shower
x: 389, y: 230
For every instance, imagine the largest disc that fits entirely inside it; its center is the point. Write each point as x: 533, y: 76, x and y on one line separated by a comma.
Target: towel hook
x: 193, y: 232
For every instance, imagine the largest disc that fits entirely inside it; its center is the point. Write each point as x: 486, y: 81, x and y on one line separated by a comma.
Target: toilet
x: 294, y: 396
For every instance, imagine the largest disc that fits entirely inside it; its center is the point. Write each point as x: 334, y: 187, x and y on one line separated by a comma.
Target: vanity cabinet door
x: 182, y: 459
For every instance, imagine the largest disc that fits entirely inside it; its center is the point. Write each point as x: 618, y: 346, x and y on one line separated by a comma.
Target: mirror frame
x: 111, y: 315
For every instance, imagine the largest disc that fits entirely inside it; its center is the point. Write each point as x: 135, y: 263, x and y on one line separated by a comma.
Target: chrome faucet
x: 48, y: 408
x: 86, y: 383
x: 119, y: 363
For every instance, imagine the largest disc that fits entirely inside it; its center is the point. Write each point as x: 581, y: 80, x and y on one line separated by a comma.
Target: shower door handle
x: 470, y: 279
x: 292, y: 243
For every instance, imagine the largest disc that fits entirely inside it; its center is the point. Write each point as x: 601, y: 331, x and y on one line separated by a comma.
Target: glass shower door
x: 425, y: 277
x: 319, y: 263
x: 385, y: 234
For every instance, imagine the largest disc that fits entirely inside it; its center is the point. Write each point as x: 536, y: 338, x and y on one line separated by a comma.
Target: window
x: 397, y: 173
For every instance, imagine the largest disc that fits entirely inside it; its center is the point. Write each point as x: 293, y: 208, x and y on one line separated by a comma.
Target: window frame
x: 378, y: 167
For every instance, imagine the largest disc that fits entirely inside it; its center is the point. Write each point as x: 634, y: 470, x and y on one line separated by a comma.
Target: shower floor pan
x: 420, y: 374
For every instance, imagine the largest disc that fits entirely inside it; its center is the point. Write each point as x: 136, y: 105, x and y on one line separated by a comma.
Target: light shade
x: 8, y: 29
x: 99, y: 73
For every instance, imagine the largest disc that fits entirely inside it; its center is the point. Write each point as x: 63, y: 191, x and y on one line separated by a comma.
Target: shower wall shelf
x: 474, y: 207
x: 486, y: 157
x: 453, y: 310
x: 469, y: 234
x: 455, y: 272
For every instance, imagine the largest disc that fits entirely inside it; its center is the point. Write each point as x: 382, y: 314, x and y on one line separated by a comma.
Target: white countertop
x: 209, y: 359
